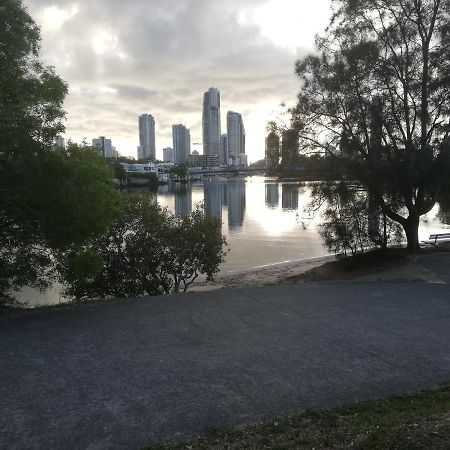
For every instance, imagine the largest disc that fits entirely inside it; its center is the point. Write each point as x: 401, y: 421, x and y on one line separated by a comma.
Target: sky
x: 125, y: 58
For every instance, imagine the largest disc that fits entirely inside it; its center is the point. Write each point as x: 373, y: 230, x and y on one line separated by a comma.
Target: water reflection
x: 261, y: 228
x: 289, y: 197
x: 213, y: 197
x: 236, y: 203
x: 272, y: 195
x: 183, y: 200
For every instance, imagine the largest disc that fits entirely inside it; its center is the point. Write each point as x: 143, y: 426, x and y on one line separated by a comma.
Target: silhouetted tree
x: 50, y: 199
x: 377, y: 96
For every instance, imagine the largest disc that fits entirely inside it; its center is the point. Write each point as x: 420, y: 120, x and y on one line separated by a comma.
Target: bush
x: 148, y: 251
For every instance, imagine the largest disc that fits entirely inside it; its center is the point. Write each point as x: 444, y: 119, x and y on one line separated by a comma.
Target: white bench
x: 434, y: 239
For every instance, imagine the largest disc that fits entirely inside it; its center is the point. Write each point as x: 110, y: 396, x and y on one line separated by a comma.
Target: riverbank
x: 431, y: 265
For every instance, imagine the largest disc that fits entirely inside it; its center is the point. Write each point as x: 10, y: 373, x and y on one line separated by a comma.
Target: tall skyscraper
x: 211, y: 122
x: 104, y: 145
x: 224, y: 149
x: 147, y: 146
x: 181, y: 143
x: 236, y: 134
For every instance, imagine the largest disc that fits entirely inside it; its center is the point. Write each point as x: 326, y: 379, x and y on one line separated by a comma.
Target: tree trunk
x: 411, y: 228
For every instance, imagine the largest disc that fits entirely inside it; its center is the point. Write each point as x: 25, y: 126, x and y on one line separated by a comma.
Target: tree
x: 348, y: 227
x: 273, y: 145
x: 49, y: 199
x: 180, y: 171
x: 148, y: 251
x: 377, y: 97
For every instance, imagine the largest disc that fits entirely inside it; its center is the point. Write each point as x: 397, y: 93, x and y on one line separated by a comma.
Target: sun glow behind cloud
x: 54, y: 17
x: 121, y: 60
x: 290, y: 23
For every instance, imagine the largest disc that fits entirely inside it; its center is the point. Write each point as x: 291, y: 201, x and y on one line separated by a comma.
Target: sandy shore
x: 431, y: 265
x: 263, y: 276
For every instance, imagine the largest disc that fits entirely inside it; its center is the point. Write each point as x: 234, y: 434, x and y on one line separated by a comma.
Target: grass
x: 420, y: 421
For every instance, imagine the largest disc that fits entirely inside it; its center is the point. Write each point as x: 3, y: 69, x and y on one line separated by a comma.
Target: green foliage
x: 119, y: 172
x: 50, y: 200
x: 180, y: 171
x: 150, y: 251
x: 376, y: 97
x: 351, y: 222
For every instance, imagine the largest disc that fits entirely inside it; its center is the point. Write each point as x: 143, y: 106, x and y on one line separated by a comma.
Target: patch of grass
x: 413, y: 422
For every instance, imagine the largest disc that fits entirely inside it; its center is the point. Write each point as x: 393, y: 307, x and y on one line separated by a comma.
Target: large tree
x: 376, y: 96
x: 50, y: 199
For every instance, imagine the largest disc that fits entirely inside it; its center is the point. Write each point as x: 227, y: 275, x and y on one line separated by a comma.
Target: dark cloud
x: 124, y: 58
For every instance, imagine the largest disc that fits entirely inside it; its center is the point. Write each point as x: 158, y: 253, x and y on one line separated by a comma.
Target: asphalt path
x: 134, y: 372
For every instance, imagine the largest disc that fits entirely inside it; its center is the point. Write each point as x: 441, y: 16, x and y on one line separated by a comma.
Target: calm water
x: 264, y: 220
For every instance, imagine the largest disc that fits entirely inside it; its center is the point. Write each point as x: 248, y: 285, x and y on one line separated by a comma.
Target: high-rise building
x: 104, y: 145
x: 147, y: 146
x: 236, y: 135
x: 168, y: 156
x: 60, y: 142
x: 181, y: 143
x: 224, y: 149
x: 211, y: 122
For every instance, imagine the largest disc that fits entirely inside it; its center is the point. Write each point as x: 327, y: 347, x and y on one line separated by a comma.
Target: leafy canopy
x: 50, y: 199
x: 377, y: 96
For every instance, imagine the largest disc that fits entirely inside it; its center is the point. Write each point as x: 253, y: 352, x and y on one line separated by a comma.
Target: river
x: 265, y: 222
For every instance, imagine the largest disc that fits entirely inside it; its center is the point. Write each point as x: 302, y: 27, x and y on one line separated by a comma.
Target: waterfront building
x: 147, y: 145
x: 168, y: 155
x: 104, y: 145
x: 159, y: 169
x: 224, y: 149
x: 181, y: 143
x: 196, y: 160
x: 211, y: 122
x: 60, y: 142
x: 236, y: 135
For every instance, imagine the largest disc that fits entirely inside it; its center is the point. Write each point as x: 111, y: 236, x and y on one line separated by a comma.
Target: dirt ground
x: 396, y: 265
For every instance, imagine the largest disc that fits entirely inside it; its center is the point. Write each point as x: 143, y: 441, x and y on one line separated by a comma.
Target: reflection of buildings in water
x: 236, y: 203
x: 213, y: 198
x: 225, y: 194
x: 272, y: 195
x: 289, y: 196
x: 183, y: 200
x: 444, y: 215
x: 164, y: 189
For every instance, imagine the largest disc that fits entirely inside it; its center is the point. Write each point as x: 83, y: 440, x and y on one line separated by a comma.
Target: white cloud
x: 125, y: 58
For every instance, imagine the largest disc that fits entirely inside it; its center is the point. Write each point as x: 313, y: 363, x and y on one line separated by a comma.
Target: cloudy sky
x: 122, y: 58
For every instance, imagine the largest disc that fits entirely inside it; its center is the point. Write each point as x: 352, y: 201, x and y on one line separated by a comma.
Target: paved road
x: 129, y: 373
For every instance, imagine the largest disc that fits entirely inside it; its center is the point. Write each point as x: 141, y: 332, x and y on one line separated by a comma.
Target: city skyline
x: 160, y: 57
